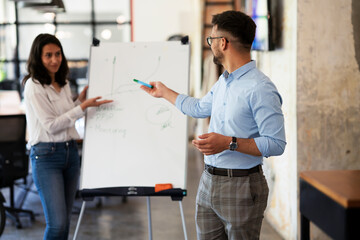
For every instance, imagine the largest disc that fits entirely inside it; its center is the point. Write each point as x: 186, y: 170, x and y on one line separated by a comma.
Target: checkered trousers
x: 230, y: 207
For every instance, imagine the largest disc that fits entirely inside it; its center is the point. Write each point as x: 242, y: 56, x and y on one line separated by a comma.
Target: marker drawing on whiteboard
x: 142, y: 83
x: 112, y: 80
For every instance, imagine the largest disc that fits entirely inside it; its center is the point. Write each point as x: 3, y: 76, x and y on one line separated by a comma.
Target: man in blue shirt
x: 246, y: 125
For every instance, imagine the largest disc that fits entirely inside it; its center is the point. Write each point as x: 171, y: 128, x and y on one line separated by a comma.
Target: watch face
x: 233, y: 146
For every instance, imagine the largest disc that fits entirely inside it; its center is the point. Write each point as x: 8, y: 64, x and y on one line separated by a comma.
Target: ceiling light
x: 106, y: 34
x: 33, y: 1
x: 55, y: 6
x: 120, y: 19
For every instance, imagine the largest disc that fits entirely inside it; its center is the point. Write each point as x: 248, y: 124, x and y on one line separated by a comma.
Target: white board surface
x: 137, y: 140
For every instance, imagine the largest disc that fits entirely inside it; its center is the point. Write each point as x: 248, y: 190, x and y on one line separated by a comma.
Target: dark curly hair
x: 238, y: 24
x: 36, y: 69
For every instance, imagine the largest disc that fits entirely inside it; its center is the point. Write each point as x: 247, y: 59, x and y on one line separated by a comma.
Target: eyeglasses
x: 209, y: 40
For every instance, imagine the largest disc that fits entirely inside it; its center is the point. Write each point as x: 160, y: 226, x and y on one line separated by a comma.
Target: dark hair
x: 238, y: 24
x: 35, y: 67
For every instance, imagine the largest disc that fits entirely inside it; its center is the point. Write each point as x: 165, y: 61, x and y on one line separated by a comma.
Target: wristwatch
x: 233, y: 145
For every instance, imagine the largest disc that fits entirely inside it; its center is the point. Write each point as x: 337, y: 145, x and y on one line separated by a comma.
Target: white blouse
x: 50, y: 115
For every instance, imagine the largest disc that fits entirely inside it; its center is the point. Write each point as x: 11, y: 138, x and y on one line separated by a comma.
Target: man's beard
x: 217, y: 59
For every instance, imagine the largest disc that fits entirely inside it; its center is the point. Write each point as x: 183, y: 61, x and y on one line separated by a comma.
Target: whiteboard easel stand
x: 182, y: 219
x: 175, y: 197
x: 178, y: 62
x: 79, y: 220
x: 149, y: 217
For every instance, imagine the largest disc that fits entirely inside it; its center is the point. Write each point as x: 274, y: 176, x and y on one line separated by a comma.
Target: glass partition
x: 27, y: 34
x: 75, y: 11
x: 7, y: 11
x: 30, y: 15
x: 7, y: 71
x: 76, y: 40
x: 7, y: 42
x: 112, y: 10
x: 113, y: 33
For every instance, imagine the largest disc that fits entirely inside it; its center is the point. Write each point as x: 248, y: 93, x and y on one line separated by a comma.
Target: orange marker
x: 162, y: 187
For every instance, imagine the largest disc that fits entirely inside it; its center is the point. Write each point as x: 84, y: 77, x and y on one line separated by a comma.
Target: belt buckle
x: 211, y: 170
x: 229, y: 172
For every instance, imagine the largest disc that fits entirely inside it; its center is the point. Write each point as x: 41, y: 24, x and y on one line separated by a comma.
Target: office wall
x: 328, y: 87
x: 280, y: 66
x: 158, y: 19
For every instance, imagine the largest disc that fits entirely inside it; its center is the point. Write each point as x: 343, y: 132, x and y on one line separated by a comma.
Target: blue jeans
x: 56, y: 169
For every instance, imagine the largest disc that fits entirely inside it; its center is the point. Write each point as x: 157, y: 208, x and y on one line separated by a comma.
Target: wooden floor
x: 112, y: 218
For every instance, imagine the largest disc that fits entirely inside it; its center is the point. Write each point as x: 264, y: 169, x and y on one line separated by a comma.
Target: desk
x: 331, y: 200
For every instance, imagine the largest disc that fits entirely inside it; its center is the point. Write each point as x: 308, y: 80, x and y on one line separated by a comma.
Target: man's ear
x: 224, y: 44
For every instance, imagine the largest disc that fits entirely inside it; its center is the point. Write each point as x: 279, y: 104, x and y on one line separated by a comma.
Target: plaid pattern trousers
x: 230, y: 207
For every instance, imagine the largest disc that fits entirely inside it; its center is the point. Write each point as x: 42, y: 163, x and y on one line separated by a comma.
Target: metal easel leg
x: 149, y: 218
x: 183, y: 220
x: 79, y: 220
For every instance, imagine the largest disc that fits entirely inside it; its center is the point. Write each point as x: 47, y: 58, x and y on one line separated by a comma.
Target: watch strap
x: 233, y: 145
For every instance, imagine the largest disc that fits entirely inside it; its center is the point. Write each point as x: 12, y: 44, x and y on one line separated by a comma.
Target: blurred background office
x: 312, y: 55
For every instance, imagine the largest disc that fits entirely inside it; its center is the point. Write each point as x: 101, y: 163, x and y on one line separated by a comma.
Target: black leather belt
x: 58, y: 145
x: 232, y: 172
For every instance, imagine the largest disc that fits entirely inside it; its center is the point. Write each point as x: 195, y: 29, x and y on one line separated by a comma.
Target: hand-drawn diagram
x: 106, y: 112
x: 159, y: 115
x: 148, y: 78
x: 113, y: 75
x: 128, y: 88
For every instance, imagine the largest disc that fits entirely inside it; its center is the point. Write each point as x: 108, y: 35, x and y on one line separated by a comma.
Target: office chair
x: 14, y: 162
x: 2, y: 214
x: 10, y: 85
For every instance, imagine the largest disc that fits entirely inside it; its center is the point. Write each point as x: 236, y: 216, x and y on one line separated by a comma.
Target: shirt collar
x: 240, y: 71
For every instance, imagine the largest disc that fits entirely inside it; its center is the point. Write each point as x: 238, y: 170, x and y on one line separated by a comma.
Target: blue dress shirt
x: 243, y: 104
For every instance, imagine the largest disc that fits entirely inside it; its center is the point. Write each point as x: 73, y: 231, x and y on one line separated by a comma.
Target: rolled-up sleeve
x: 194, y: 107
x: 266, y: 103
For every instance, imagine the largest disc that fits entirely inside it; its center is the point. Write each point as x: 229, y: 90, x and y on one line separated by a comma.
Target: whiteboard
x: 137, y: 140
